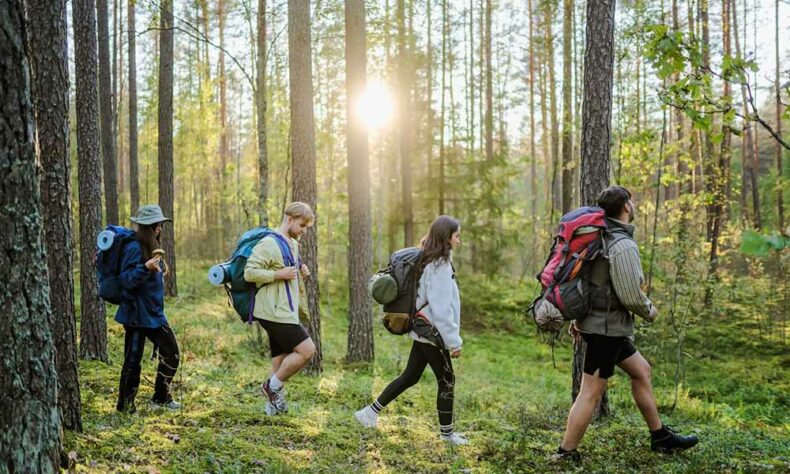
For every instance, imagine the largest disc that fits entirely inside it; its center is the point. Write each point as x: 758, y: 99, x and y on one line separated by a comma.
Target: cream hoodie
x: 439, y: 289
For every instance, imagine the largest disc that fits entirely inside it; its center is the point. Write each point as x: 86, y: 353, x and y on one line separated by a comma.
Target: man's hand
x: 574, y: 331
x: 305, y: 271
x: 653, y: 314
x: 455, y: 353
x: 287, y: 273
x: 153, y: 264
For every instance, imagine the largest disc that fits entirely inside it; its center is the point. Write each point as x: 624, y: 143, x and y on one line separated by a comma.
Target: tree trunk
x: 552, y: 85
x: 224, y: 134
x: 134, y: 180
x: 405, y: 133
x: 780, y: 188
x: 443, y: 109
x: 533, y: 172
x: 596, y: 128
x: 50, y: 84
x: 28, y: 381
x: 360, y: 240
x: 165, y: 140
x: 260, y: 108
x: 489, y: 117
x: 567, y: 112
x: 107, y: 123
x: 93, y: 324
x: 303, y: 154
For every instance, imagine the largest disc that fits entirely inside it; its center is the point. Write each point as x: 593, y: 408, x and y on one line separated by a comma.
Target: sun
x: 374, y: 106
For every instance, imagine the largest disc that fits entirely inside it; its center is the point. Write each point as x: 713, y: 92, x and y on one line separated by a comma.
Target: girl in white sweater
x: 439, y: 304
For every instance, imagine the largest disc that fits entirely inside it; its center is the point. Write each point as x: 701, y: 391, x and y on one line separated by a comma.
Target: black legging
x: 421, y: 355
x: 134, y: 343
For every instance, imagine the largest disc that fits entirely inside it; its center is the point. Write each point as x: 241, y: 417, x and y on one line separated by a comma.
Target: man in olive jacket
x: 278, y: 302
x: 609, y: 330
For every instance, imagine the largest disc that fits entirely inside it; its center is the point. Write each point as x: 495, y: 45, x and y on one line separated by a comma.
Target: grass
x: 510, y: 401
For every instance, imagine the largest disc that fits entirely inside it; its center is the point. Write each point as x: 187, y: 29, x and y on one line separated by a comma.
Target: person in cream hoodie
x: 439, y: 308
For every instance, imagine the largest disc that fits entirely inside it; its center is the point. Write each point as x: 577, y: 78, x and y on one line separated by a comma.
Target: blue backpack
x: 230, y: 274
x: 110, y: 242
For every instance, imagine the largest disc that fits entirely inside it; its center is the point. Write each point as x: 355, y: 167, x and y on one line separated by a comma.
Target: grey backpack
x: 395, y: 287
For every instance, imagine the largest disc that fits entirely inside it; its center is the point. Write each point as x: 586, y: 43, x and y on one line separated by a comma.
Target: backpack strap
x: 288, y: 260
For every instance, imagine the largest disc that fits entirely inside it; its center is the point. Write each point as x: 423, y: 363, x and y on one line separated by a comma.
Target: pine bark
x: 360, y: 240
x: 50, y: 85
x: 260, y: 108
x: 28, y: 380
x: 405, y: 133
x: 134, y: 180
x: 778, y: 150
x: 107, y: 123
x: 567, y: 105
x: 556, y: 197
x: 165, y: 140
x: 489, y: 114
x: 596, y: 128
x: 303, y: 154
x: 93, y: 325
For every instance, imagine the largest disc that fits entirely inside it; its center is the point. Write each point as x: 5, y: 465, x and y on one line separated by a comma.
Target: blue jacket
x: 142, y: 291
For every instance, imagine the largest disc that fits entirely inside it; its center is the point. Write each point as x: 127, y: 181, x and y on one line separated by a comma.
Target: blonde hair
x: 299, y: 210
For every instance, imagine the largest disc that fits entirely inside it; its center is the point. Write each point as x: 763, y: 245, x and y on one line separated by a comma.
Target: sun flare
x: 374, y: 106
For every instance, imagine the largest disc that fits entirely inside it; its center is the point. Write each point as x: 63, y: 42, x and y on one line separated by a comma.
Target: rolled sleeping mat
x: 105, y: 239
x: 219, y: 274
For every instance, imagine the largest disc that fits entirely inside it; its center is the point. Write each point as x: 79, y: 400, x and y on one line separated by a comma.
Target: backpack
x: 395, y: 287
x: 566, y: 279
x: 230, y: 274
x: 110, y: 243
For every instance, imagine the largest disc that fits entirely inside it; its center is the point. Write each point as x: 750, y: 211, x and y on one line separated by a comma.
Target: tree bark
x: 28, y: 379
x: 405, y: 135
x: 107, y: 123
x: 165, y: 140
x: 260, y: 108
x: 596, y: 128
x: 556, y: 197
x: 443, y: 109
x: 134, y: 180
x: 93, y: 325
x: 567, y: 105
x: 50, y: 84
x: 303, y: 154
x: 780, y: 188
x: 489, y: 114
x: 360, y: 240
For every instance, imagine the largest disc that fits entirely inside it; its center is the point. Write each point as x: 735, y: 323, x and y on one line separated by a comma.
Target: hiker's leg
x: 583, y: 409
x: 638, y: 368
x: 293, y: 362
x: 276, y: 363
x: 165, y: 339
x: 133, y: 346
x: 410, y: 376
x: 442, y: 367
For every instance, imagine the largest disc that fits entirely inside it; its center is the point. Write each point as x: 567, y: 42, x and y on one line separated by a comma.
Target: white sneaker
x: 456, y: 439
x: 171, y: 405
x: 367, y: 417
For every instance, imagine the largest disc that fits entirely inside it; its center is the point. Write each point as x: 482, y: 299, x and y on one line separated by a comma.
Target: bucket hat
x: 149, y: 215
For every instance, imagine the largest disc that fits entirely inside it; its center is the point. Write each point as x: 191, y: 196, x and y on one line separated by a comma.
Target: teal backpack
x: 230, y: 274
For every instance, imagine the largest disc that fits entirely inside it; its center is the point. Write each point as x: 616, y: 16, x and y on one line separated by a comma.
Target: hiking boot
x: 666, y: 440
x: 275, y: 397
x: 563, y: 455
x: 454, y: 438
x: 171, y: 405
x: 367, y: 417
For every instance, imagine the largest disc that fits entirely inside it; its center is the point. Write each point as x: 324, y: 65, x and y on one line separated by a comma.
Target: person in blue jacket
x: 142, y: 312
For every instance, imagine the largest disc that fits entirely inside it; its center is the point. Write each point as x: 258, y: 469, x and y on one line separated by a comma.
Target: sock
x: 376, y: 407
x: 446, y: 430
x: 275, y: 383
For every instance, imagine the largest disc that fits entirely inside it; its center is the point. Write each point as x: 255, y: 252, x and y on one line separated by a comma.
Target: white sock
x: 371, y: 411
x: 275, y: 383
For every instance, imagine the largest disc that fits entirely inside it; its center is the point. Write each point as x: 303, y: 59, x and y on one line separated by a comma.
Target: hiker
x: 608, y: 331
x: 141, y: 311
x: 439, y: 306
x: 278, y: 302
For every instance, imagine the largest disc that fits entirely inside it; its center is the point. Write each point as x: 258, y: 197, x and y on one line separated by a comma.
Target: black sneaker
x: 563, y: 455
x: 666, y: 440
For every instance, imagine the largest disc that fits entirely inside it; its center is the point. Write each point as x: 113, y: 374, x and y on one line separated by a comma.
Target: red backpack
x: 565, y: 278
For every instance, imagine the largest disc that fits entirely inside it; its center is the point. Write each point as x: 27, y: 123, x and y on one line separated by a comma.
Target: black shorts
x: 605, y: 352
x: 283, y: 337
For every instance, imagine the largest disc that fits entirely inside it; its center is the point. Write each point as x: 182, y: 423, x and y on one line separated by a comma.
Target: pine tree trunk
x: 107, y: 123
x: 260, y: 108
x: 93, y: 324
x: 596, y: 129
x: 780, y: 188
x: 28, y: 380
x: 556, y: 196
x: 165, y: 141
x: 360, y: 255
x: 567, y: 112
x: 443, y: 110
x: 489, y: 114
x: 50, y: 85
x: 405, y: 132
x: 532, y: 151
x: 224, y: 135
x: 303, y: 154
x: 134, y: 179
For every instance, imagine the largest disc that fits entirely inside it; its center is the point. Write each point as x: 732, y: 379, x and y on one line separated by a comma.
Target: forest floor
x: 510, y: 401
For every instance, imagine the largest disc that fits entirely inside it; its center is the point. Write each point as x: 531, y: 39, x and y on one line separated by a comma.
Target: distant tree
x: 50, y: 85
x: 134, y: 180
x: 107, y: 123
x: 165, y: 140
x: 28, y: 380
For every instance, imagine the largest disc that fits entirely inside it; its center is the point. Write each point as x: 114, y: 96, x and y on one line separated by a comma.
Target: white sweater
x: 439, y: 289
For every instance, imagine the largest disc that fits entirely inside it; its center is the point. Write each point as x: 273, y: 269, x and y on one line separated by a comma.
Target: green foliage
x: 760, y: 245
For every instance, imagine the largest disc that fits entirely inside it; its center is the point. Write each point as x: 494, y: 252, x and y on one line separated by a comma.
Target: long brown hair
x: 436, y: 244
x: 146, y: 235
